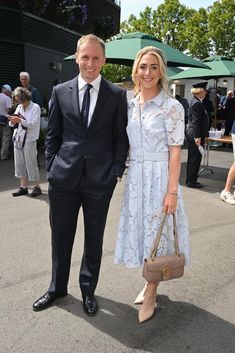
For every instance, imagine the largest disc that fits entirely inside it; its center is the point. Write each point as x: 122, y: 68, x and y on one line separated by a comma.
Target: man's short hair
x: 24, y: 73
x: 91, y: 38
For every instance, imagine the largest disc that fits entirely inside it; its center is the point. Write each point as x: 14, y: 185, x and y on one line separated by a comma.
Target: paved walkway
x: 195, y: 314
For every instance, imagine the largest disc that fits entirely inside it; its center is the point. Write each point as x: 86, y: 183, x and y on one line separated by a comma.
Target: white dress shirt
x: 93, y: 94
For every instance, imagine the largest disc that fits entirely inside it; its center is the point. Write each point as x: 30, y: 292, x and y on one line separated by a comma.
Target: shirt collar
x: 95, y: 83
x: 156, y: 100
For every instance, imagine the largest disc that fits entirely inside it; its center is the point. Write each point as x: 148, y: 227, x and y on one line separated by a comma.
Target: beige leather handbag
x: 163, y: 268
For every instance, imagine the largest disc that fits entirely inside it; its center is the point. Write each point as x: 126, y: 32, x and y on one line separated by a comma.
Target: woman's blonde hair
x: 197, y: 90
x: 163, y: 82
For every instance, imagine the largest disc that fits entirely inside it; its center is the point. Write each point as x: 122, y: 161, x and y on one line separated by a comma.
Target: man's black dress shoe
x: 195, y: 185
x: 46, y: 300
x: 90, y: 305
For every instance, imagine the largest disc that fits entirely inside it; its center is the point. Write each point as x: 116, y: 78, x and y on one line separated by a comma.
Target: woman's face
x: 148, y: 73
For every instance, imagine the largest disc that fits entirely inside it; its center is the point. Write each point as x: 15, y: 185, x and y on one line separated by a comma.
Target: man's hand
x: 197, y: 141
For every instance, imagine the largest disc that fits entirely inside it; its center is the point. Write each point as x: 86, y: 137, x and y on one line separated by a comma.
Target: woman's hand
x: 14, y: 119
x: 170, y: 203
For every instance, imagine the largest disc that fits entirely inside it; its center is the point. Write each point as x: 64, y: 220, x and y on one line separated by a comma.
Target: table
x: 205, y: 164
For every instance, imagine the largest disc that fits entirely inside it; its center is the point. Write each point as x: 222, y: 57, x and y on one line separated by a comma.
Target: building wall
x: 47, y: 69
x: 37, y: 46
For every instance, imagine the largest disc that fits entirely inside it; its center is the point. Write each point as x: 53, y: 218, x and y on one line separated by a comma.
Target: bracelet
x: 172, y: 193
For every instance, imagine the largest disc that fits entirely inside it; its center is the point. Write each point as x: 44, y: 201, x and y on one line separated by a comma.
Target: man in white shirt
x: 5, y: 105
x: 86, y: 149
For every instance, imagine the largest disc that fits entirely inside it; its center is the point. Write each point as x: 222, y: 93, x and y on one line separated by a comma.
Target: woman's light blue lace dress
x: 150, y: 132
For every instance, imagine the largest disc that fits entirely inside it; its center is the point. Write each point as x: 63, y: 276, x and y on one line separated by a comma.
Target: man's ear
x: 76, y: 57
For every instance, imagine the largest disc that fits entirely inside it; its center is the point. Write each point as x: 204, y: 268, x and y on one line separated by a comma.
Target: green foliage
x: 144, y: 24
x: 116, y: 73
x: 196, y: 34
x: 170, y: 19
x: 221, y: 25
x: 199, y: 33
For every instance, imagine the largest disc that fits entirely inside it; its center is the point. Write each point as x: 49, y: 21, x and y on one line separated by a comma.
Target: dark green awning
x: 124, y: 48
x: 219, y: 67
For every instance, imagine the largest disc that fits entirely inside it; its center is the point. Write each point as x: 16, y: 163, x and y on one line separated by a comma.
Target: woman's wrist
x: 172, y: 193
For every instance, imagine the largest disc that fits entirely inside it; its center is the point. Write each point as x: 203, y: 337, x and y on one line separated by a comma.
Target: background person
x: 86, y: 149
x: 5, y: 106
x: 198, y: 129
x: 226, y: 194
x: 27, y: 114
x: 35, y: 94
x: 229, y: 112
x: 185, y: 105
x: 209, y: 108
x: 156, y: 132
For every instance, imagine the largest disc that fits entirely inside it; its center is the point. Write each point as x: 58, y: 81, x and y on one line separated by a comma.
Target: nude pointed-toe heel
x: 140, y: 297
x: 147, y: 308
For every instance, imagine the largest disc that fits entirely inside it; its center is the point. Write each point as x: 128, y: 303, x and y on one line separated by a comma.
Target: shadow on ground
x: 201, y: 331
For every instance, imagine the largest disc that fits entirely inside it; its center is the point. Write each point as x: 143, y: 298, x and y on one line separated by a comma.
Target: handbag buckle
x: 166, y: 273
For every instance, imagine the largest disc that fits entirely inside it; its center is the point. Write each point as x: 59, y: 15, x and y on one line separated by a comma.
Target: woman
x: 156, y: 133
x: 226, y: 194
x: 26, y: 115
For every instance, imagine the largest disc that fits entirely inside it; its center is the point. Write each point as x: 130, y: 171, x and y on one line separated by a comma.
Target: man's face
x: 202, y: 94
x: 6, y: 92
x: 90, y: 59
x: 24, y: 81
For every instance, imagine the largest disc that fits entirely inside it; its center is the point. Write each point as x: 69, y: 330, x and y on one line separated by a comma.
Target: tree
x: 196, y: 34
x: 200, y: 33
x: 143, y: 24
x: 221, y: 26
x: 116, y: 73
x: 169, y: 22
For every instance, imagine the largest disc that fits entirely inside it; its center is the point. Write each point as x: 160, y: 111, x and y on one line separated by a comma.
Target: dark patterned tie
x: 86, y: 104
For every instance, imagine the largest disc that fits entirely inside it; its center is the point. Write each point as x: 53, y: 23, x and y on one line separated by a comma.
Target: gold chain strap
x: 159, y: 234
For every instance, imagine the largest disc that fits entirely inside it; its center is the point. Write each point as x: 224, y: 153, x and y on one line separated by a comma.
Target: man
x: 5, y: 106
x: 86, y: 149
x: 198, y: 125
x: 185, y: 105
x: 229, y: 112
x: 25, y: 82
x: 209, y: 107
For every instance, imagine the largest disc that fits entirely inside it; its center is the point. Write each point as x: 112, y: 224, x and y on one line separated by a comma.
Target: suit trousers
x: 64, y: 209
x: 193, y: 161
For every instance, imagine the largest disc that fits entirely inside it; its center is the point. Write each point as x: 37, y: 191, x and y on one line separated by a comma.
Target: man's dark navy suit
x: 83, y: 165
x: 198, y: 125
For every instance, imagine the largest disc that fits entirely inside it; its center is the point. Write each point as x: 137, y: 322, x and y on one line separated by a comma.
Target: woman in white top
x: 27, y: 116
x: 156, y: 132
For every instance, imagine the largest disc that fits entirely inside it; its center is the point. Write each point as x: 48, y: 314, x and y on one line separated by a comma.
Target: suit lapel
x: 101, y: 99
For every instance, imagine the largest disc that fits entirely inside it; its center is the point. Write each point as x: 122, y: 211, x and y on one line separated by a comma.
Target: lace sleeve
x: 174, y: 124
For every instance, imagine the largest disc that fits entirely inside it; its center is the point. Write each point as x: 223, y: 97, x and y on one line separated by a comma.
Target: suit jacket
x: 229, y: 110
x: 101, y: 148
x: 198, y: 122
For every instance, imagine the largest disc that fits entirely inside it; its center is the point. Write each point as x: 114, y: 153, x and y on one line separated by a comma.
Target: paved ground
x: 195, y: 314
